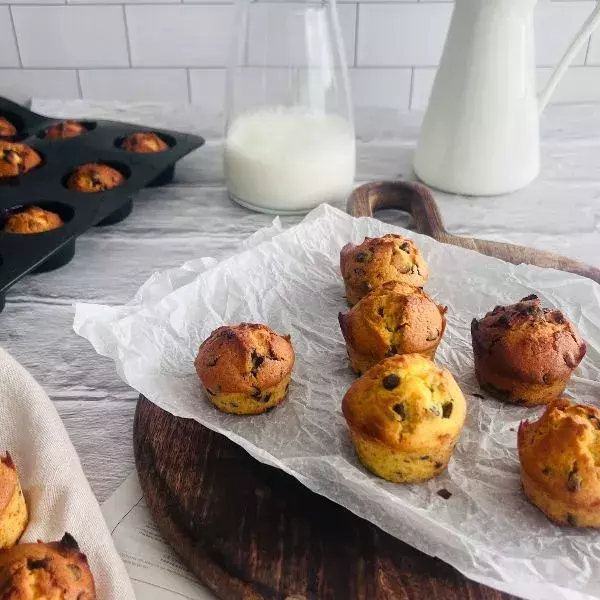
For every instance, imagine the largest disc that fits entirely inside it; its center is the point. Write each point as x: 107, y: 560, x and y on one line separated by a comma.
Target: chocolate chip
x: 213, y: 363
x: 391, y: 381
x: 594, y: 421
x: 266, y: 398
x: 503, y: 321
x: 398, y: 408
x: 571, y: 520
x: 37, y: 564
x: 405, y: 247
x: 447, y: 410
x: 548, y: 471
x: 546, y: 379
x: 380, y: 311
x: 444, y: 493
x: 230, y: 335
x: 438, y: 465
x: 574, y: 480
x: 256, y: 392
x: 426, y: 457
x: 393, y: 350
x: 435, y: 410
x: 530, y: 297
x: 432, y: 336
x: 257, y: 361
x: 360, y: 257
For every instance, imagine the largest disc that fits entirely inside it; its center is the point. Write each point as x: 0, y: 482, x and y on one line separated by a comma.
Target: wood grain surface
x: 251, y: 532
x: 417, y: 199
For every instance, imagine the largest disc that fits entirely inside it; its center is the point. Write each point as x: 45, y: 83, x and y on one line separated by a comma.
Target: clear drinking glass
x: 289, y: 141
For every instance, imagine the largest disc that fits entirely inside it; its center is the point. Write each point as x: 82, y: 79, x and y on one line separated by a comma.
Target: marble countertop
x: 193, y: 217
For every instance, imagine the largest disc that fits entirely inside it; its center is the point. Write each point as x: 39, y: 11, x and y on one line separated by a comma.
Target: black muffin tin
x: 45, y: 186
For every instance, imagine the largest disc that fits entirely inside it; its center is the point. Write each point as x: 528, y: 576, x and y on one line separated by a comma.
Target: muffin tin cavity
x: 87, y: 125
x: 45, y: 186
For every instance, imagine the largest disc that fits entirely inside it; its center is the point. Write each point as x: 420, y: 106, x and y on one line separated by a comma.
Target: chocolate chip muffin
x: 54, y: 571
x: 7, y: 129
x: 525, y: 354
x: 94, y: 177
x: 405, y: 415
x: 144, y: 143
x: 32, y: 220
x: 17, y: 159
x: 65, y: 130
x: 245, y: 369
x: 560, y: 463
x: 394, y: 318
x: 13, y: 508
x: 379, y: 260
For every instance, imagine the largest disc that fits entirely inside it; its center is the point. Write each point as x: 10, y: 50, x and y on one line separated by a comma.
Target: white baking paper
x: 290, y: 280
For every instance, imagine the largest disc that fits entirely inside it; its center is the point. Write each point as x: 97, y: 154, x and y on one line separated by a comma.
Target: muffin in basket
x: 17, y: 159
x: 245, y: 369
x: 144, y: 143
x: 394, y: 318
x: 32, y: 220
x: 7, y: 129
x: 379, y: 260
x: 13, y: 508
x: 525, y: 354
x: 405, y: 415
x: 65, y: 130
x: 560, y: 463
x: 94, y: 177
x: 54, y: 571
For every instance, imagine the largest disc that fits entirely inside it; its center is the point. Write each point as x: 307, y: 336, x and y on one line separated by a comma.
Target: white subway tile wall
x: 177, y: 50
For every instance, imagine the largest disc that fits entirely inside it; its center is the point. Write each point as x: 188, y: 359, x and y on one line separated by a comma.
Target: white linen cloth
x: 58, y: 495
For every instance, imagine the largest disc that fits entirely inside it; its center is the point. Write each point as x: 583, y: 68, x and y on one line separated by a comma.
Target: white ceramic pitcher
x: 480, y: 135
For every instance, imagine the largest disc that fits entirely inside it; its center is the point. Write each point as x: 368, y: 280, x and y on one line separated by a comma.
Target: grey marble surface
x: 193, y: 217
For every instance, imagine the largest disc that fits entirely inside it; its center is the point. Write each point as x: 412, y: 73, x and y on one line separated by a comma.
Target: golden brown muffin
x: 94, y: 177
x: 65, y: 130
x: 13, y: 508
x: 560, y: 463
x: 7, y: 129
x: 17, y: 159
x: 379, y: 260
x: 245, y: 369
x: 525, y: 354
x: 32, y: 220
x: 405, y: 415
x: 394, y: 318
x: 54, y: 571
x: 144, y: 143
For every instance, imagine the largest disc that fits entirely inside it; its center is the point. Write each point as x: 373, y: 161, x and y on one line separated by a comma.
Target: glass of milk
x: 289, y: 140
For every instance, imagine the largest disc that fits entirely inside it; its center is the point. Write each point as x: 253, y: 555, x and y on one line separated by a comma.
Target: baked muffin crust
x: 94, y: 177
x: 65, y: 130
x: 13, y: 508
x: 379, y: 260
x: 144, y: 143
x: 7, y: 129
x: 31, y: 220
x: 17, y: 159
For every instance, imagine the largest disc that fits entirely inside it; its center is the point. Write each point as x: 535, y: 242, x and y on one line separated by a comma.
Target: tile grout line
x: 14, y: 32
x: 127, y: 41
x: 189, y: 84
x: 78, y: 78
x: 587, y: 50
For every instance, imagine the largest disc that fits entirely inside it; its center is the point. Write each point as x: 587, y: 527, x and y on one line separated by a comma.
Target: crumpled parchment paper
x: 290, y: 280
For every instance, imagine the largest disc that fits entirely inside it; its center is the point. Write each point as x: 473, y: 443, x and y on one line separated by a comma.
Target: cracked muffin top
x: 7, y: 129
x: 144, y: 143
x: 65, y: 130
x: 94, y: 177
x: 376, y: 261
x: 32, y: 220
x: 528, y: 342
x: 53, y: 571
x: 241, y: 358
x: 17, y: 159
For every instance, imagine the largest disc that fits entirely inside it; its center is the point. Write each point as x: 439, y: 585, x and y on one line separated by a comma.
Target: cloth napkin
x: 57, y: 492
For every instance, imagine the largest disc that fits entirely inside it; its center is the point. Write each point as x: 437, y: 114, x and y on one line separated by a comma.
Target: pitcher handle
x: 560, y: 69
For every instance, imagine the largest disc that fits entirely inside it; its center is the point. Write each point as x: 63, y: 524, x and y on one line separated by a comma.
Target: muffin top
x: 561, y: 452
x: 538, y: 345
x: 16, y: 159
x: 394, y: 318
x: 94, y: 177
x: 405, y: 402
x: 54, y: 571
x: 244, y: 358
x: 382, y: 259
x: 8, y: 480
x: 7, y: 129
x: 144, y: 143
x: 32, y: 220
x: 64, y: 130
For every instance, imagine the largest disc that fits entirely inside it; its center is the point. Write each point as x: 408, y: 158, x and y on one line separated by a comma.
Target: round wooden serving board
x: 254, y: 533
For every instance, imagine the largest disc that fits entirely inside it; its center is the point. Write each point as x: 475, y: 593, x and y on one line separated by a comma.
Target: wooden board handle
x: 418, y: 200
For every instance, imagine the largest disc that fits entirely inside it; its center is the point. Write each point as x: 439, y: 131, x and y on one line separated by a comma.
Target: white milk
x: 284, y: 159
